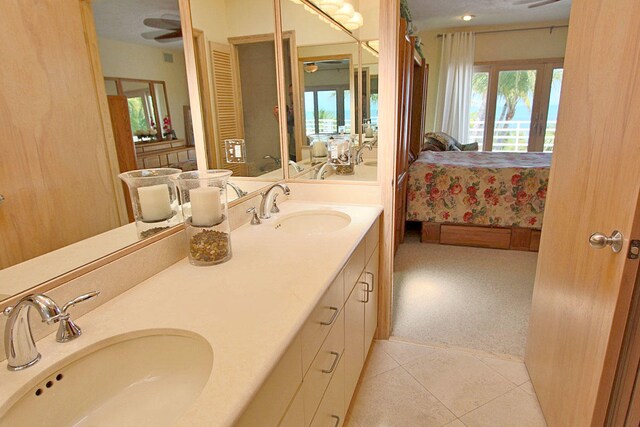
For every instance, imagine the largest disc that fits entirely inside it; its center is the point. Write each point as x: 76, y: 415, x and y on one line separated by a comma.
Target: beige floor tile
x: 378, y: 362
x: 528, y: 387
x: 394, y: 398
x: 515, y: 408
x: 512, y: 370
x: 403, y: 352
x: 455, y: 423
x: 460, y: 381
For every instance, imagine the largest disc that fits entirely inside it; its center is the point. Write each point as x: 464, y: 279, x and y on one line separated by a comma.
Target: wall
x: 532, y: 44
x: 120, y: 59
x: 257, y: 65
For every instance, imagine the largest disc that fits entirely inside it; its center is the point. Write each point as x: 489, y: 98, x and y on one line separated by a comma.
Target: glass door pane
x: 478, y: 107
x: 310, y: 113
x: 513, y: 110
x: 328, y: 111
x: 552, y: 115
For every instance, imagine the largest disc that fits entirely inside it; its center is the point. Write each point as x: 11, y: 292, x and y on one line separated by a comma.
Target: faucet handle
x: 275, y: 208
x: 68, y: 330
x: 255, y: 220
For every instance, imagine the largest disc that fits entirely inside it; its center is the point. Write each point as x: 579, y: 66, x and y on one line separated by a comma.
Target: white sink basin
x: 124, y: 381
x: 313, y: 222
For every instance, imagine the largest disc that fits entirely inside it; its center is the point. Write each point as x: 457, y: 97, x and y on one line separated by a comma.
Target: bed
x: 500, y: 195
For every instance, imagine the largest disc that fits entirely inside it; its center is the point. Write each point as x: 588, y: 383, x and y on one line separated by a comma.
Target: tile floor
x: 407, y: 385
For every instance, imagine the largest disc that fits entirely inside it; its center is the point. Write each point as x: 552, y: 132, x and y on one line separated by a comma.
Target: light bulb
x: 468, y: 17
x: 355, y: 22
x: 330, y: 6
x: 343, y: 14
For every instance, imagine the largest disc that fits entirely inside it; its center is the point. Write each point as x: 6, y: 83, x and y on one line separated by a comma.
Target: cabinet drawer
x: 322, y: 368
x: 295, y: 414
x: 271, y: 402
x: 354, y: 268
x: 371, y: 238
x: 321, y: 320
x: 331, y: 410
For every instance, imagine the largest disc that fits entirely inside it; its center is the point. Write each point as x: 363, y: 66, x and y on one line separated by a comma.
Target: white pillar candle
x: 155, y: 203
x: 206, y: 209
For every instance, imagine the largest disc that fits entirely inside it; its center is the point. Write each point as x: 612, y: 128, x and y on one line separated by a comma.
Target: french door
x: 514, y: 105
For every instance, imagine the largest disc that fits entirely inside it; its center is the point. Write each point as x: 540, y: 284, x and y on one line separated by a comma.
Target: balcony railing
x: 511, y: 135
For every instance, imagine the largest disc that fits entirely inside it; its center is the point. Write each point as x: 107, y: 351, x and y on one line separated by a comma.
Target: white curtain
x: 454, y: 85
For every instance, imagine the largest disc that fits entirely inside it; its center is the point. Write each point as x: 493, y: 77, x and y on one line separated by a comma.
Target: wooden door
x: 121, y: 125
x: 582, y: 295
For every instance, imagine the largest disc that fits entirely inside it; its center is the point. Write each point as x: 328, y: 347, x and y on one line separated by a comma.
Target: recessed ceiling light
x: 468, y: 17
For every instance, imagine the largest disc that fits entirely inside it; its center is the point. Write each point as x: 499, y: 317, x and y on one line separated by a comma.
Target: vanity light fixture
x: 355, y: 22
x: 330, y: 6
x: 344, y: 14
x: 468, y: 17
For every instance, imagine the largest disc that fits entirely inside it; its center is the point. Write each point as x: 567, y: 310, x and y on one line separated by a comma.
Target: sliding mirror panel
x: 326, y: 135
x: 236, y: 63
x: 91, y: 114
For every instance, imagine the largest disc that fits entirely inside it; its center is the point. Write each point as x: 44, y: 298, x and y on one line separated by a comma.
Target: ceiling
x: 122, y: 19
x: 438, y: 14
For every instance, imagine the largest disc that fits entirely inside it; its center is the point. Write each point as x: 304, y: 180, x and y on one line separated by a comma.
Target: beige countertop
x: 249, y: 309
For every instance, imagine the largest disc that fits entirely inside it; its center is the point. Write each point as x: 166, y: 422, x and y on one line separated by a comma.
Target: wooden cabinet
x: 314, y: 382
x: 371, y: 304
x: 332, y: 410
x: 354, y: 338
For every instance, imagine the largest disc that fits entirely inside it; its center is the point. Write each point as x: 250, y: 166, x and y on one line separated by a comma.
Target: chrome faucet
x: 275, y: 159
x: 296, y: 166
x: 239, y: 191
x: 19, y: 345
x: 323, y: 170
x: 268, y: 198
x: 359, y: 152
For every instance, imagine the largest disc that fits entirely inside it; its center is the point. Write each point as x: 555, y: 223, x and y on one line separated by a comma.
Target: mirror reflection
x: 332, y: 133
x: 235, y: 52
x: 68, y: 208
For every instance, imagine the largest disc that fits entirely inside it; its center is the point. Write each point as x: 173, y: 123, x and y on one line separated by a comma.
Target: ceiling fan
x: 169, y: 29
x: 536, y: 3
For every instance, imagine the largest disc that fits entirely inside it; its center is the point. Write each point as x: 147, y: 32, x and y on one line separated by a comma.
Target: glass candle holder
x: 154, y: 199
x: 203, y: 196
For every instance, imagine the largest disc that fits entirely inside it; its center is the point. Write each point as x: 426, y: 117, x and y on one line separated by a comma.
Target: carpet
x: 463, y: 297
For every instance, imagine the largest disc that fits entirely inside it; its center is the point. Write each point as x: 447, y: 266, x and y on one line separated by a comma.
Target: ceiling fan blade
x: 543, y: 3
x: 521, y: 2
x: 151, y: 35
x: 165, y: 24
x: 170, y: 36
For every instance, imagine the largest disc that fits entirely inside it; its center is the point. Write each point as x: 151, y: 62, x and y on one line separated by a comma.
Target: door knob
x: 1, y: 198
x: 599, y: 241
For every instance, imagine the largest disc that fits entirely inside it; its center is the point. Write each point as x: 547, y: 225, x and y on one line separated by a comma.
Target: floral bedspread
x: 482, y: 188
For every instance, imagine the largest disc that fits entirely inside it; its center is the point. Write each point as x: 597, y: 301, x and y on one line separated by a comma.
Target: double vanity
x: 278, y: 335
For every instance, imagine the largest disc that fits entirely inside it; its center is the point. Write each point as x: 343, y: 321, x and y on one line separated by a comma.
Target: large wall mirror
x: 236, y: 57
x: 329, y: 70
x: 63, y: 204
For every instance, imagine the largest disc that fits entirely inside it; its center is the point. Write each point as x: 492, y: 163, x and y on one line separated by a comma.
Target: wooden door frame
x: 200, y: 51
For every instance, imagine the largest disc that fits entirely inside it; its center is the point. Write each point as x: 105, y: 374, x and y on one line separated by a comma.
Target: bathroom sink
x: 371, y: 163
x: 313, y: 222
x: 130, y: 380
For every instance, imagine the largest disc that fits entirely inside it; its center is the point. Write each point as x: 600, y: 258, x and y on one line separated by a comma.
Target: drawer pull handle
x: 366, y: 291
x: 337, y: 418
x: 334, y: 364
x: 333, y: 316
x: 373, y: 280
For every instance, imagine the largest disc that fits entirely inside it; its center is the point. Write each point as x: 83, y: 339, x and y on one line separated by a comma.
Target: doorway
x: 514, y: 105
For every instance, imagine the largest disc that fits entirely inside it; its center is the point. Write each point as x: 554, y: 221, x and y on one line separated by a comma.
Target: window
x: 327, y: 110
x: 514, y: 107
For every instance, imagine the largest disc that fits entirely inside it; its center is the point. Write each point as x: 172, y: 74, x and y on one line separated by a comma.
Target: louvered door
x: 227, y: 99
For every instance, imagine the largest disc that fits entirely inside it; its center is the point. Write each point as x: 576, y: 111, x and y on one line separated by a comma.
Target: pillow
x: 441, y: 141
